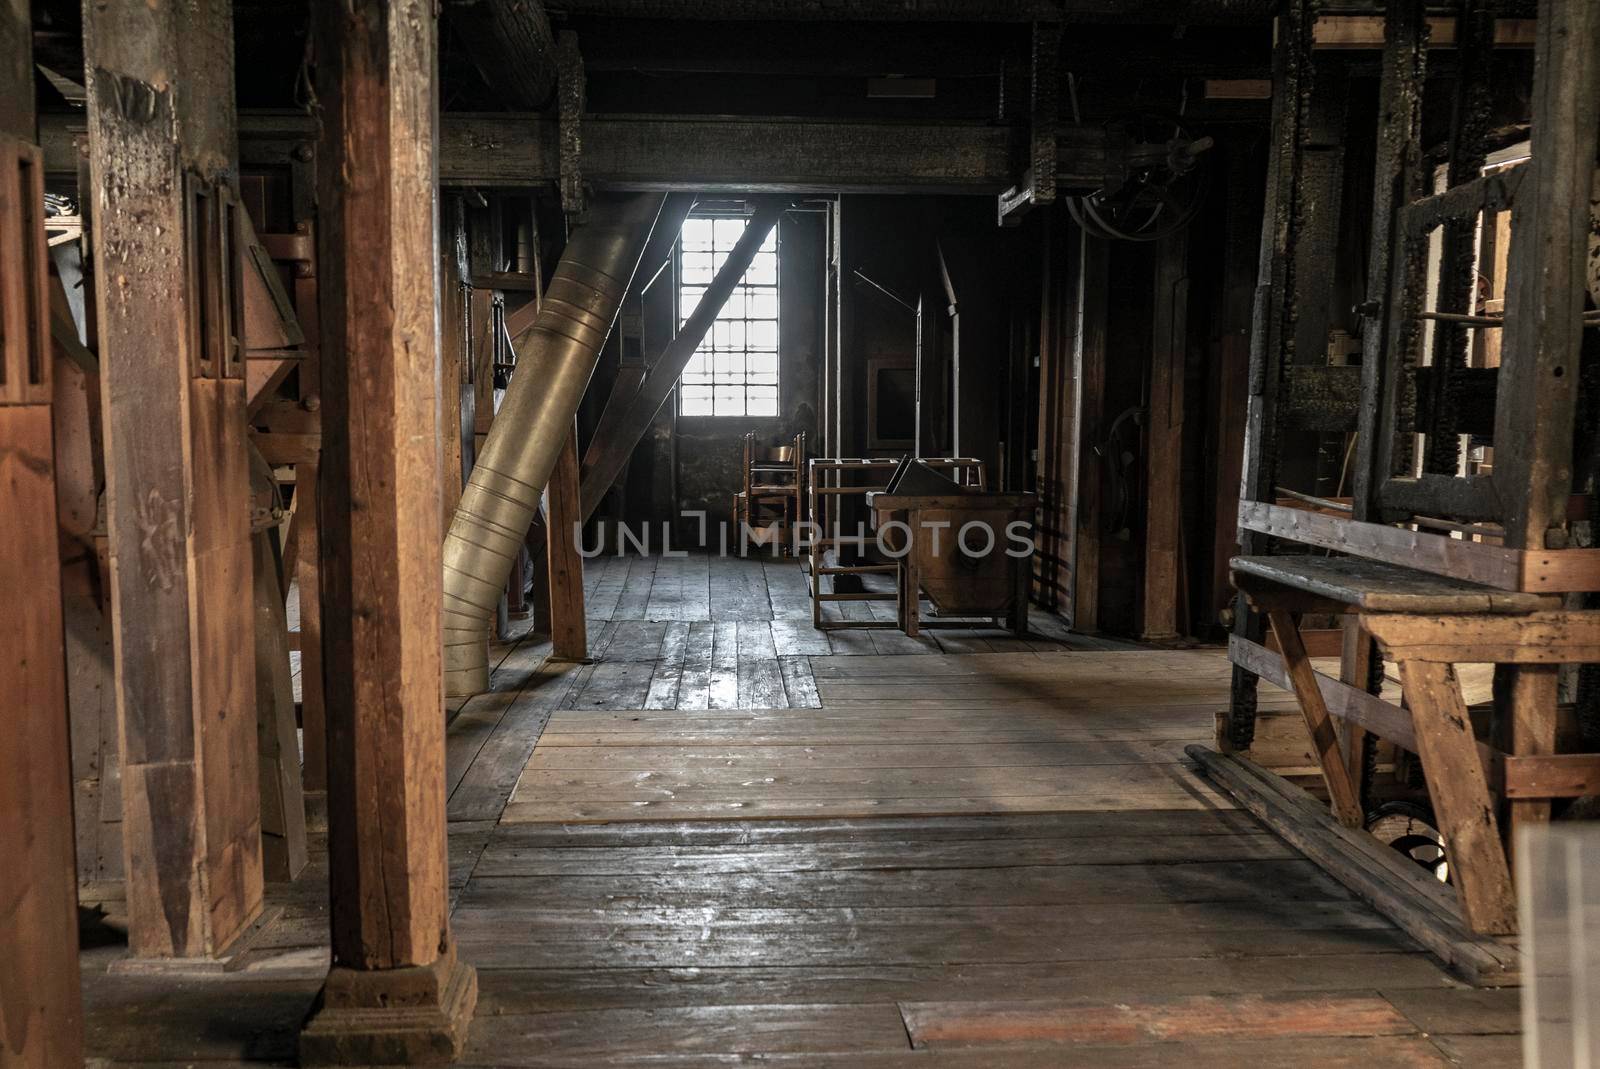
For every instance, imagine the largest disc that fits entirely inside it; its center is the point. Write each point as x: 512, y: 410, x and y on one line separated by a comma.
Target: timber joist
x: 756, y: 154
x: 709, y: 154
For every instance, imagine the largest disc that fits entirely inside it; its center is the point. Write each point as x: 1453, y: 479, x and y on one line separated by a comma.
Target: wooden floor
x: 1052, y: 886
x: 904, y: 735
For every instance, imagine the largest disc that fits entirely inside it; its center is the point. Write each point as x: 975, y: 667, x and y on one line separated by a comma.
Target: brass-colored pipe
x: 554, y: 364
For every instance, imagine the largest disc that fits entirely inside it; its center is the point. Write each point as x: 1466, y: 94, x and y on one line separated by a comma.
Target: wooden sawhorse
x: 1427, y: 624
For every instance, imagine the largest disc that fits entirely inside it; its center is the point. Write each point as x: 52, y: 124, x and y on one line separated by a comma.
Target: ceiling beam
x: 745, y: 155
x: 714, y: 154
x: 1158, y: 12
x: 510, y: 44
x: 830, y: 10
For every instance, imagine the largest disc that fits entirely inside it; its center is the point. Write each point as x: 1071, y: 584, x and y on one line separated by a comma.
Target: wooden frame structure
x: 828, y: 484
x: 1424, y: 599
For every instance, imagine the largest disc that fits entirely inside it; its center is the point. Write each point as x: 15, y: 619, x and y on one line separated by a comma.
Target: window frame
x: 681, y: 309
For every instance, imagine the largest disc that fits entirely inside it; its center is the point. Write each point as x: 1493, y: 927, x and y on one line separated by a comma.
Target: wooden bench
x: 1427, y: 624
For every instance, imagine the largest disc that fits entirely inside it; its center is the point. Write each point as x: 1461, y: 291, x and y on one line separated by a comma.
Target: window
x: 735, y: 370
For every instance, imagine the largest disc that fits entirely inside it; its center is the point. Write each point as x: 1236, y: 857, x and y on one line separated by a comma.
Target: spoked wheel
x: 1408, y: 828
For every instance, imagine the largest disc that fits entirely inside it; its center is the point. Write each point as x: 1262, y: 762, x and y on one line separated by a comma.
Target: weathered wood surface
x: 380, y: 507
x: 1460, y: 793
x: 40, y: 1014
x: 1428, y: 911
x: 1324, y: 739
x: 1377, y: 587
x: 1544, y: 571
x: 41, y: 1010
x: 1121, y: 938
x: 568, y: 627
x: 1164, y: 598
x: 1541, y: 638
x: 178, y: 518
x: 283, y: 809
x: 910, y: 734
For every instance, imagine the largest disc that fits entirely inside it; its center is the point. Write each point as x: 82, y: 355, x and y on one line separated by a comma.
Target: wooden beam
x: 1540, y: 638
x: 396, y: 991
x: 855, y: 10
x: 742, y: 155
x: 1324, y: 740
x: 510, y: 44
x: 283, y: 807
x: 161, y: 152
x: 1088, y: 399
x: 42, y: 1024
x: 663, y: 242
x: 1164, y: 579
x: 1460, y: 793
x: 1350, y: 704
x: 1554, y: 571
x: 602, y: 468
x: 455, y: 359
x: 736, y: 155
x: 1538, y: 393
x: 569, y: 636
x: 1366, y: 32
x: 1420, y: 905
x: 1397, y: 182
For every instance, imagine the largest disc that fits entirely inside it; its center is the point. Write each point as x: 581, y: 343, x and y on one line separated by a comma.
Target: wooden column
x: 41, y: 1009
x: 1088, y: 394
x: 569, y: 637
x: 1164, y: 576
x: 1538, y: 394
x: 162, y: 157
x: 396, y: 993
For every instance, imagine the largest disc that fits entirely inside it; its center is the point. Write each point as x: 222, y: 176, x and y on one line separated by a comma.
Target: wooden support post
x: 1460, y: 793
x: 313, y: 711
x: 396, y: 994
x: 1324, y: 740
x: 1058, y: 431
x: 455, y: 354
x: 1163, y: 537
x: 1088, y: 399
x: 1538, y: 394
x: 1272, y: 322
x: 569, y: 638
x: 41, y: 1010
x: 162, y: 158
x: 929, y: 433
x: 283, y: 808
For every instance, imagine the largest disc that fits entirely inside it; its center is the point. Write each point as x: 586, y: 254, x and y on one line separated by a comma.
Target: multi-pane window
x: 735, y: 370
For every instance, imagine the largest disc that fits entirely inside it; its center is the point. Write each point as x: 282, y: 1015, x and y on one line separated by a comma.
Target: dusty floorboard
x: 941, y: 733
x: 1134, y: 920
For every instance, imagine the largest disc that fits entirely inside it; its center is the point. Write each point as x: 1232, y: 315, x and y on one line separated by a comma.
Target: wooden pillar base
x: 408, y: 1016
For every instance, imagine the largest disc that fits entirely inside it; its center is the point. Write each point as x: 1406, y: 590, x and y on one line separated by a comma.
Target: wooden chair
x: 774, y: 478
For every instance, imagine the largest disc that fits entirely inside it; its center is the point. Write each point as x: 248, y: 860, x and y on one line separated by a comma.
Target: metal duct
x: 553, y: 369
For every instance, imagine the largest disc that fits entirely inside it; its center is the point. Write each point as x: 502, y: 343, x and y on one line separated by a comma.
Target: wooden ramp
x: 898, y: 736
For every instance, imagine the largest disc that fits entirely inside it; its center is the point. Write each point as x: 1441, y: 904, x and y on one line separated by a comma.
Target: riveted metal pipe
x: 554, y: 364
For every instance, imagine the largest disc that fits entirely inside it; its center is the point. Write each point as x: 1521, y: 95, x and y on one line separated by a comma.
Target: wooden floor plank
x: 798, y: 685
x: 1189, y: 1017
